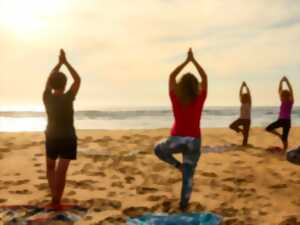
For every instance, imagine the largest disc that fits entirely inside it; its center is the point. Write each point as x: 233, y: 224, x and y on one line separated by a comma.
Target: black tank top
x: 60, y: 114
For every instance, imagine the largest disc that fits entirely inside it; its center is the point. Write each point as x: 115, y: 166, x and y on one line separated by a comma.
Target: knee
x: 157, y: 150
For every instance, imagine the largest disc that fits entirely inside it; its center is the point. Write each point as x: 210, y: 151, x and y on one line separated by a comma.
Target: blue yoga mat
x: 294, y: 156
x: 177, y: 219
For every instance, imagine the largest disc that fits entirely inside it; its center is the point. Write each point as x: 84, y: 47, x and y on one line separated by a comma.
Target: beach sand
x: 117, y: 175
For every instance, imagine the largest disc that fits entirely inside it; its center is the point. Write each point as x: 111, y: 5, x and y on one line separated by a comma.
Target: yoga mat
x: 176, y: 219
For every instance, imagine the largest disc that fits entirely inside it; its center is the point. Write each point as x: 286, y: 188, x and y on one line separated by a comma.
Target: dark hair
x: 187, y: 88
x: 58, y: 81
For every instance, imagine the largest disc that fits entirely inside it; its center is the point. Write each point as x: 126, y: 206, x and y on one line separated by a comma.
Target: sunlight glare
x: 27, y: 16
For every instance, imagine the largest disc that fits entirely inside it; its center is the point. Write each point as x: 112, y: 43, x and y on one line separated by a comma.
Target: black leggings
x: 286, y: 126
x: 245, y: 123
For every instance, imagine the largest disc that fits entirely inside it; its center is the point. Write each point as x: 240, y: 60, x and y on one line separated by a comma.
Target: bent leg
x: 50, y: 163
x: 165, y: 151
x: 235, y: 125
x: 271, y: 128
x: 60, y: 179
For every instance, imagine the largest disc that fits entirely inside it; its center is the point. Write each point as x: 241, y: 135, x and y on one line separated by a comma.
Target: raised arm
x: 241, y: 90
x: 289, y: 87
x: 76, y: 78
x: 175, y: 73
x: 280, y: 86
x: 248, y: 92
x: 53, y: 72
x: 200, y: 70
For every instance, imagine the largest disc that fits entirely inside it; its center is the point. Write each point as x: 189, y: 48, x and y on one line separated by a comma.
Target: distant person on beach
x: 244, y: 120
x: 284, y: 120
x: 61, y: 140
x: 187, y: 97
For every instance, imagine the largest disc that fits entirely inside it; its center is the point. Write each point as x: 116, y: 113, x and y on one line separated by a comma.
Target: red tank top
x: 187, y: 117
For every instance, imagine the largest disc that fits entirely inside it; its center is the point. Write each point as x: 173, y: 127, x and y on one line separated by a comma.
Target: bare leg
x: 246, y: 133
x: 60, y: 179
x: 51, y: 176
x: 285, y: 145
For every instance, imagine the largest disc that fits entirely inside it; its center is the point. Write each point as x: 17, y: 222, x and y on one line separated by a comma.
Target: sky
x: 124, y: 50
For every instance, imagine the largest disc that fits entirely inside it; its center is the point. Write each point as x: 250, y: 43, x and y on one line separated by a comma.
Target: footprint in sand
x: 156, y: 198
x: 2, y: 200
x: 41, y: 171
x: 129, y: 179
x: 290, y: 221
x: 103, y: 204
x: 42, y: 186
x: 21, y: 192
x: 37, y: 164
x: 145, y: 190
x: 38, y: 154
x: 118, y: 184
x: 168, y: 206
x: 278, y: 186
x: 112, y: 220
x: 42, y: 177
x: 239, y: 162
x: 21, y: 182
x: 232, y: 221
x: 208, y: 174
x: 83, y: 184
x: 296, y: 202
x: 71, y: 193
x: 227, y: 211
x: 136, y: 211
x: 228, y: 188
x: 111, y: 194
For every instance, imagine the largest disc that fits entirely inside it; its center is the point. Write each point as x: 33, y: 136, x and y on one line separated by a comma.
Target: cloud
x: 126, y: 49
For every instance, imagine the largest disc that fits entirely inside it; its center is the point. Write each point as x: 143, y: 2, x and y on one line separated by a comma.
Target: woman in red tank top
x: 187, y: 97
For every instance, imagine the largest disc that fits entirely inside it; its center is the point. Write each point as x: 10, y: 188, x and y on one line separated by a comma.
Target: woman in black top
x: 61, y: 140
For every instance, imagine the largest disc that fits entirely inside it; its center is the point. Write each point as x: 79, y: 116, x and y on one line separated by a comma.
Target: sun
x: 26, y: 17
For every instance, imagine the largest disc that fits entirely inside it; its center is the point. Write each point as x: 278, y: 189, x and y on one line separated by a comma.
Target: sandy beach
x: 117, y: 175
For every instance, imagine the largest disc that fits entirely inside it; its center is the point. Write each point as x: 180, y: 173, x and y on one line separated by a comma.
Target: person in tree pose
x: 284, y: 120
x: 245, y: 114
x: 187, y: 97
x: 61, y: 140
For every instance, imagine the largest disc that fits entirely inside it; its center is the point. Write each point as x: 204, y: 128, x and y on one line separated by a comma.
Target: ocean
x: 138, y: 118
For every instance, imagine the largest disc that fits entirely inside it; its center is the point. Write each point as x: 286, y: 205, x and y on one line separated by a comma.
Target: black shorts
x: 61, y: 148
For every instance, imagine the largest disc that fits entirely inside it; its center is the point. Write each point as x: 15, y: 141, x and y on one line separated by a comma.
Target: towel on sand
x: 28, y: 214
x: 176, y: 219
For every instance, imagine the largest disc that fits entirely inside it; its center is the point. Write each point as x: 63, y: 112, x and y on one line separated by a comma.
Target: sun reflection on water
x: 22, y: 124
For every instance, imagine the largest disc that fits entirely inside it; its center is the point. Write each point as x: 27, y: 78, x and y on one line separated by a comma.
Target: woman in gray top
x: 243, y: 123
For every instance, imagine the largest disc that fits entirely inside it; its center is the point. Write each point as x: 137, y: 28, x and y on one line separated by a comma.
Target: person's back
x: 60, y: 114
x: 187, y: 116
x: 61, y: 140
